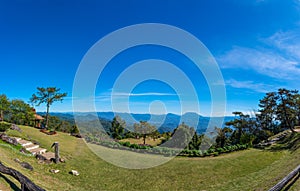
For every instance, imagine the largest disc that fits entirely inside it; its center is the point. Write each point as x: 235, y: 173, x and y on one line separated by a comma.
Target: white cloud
x: 262, y: 61
x: 278, y: 56
x: 257, y: 87
x: 287, y: 42
x: 142, y: 94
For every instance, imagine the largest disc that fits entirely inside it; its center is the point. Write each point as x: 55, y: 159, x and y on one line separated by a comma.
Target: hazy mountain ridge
x: 166, y: 122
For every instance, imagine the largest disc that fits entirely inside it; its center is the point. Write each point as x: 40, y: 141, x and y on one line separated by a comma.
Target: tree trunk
x: 144, y: 137
x: 26, y: 184
x: 47, y: 115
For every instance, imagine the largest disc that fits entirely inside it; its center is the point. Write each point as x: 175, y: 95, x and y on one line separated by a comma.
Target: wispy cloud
x: 255, y: 86
x: 287, y: 42
x: 278, y: 56
x: 142, y: 94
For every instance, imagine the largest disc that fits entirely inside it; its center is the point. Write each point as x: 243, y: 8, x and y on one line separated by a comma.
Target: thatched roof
x: 38, y: 117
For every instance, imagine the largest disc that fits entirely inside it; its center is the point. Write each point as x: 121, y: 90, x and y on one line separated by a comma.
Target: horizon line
x: 136, y: 113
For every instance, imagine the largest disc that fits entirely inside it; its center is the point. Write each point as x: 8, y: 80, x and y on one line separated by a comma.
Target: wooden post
x: 56, y: 149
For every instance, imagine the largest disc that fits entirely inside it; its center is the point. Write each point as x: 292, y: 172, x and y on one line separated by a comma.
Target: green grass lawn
x: 243, y: 170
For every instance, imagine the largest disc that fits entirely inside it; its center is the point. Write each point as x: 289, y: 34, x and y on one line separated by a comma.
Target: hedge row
x: 213, y: 151
x: 140, y: 148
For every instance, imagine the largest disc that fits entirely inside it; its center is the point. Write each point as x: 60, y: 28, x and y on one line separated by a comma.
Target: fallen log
x: 281, y: 184
x: 26, y: 184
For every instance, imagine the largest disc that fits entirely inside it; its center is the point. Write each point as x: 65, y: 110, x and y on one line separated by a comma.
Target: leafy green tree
x: 4, y: 106
x: 195, y: 142
x: 117, y: 127
x: 242, y: 124
x: 155, y: 135
x: 296, y: 106
x: 21, y: 112
x: 48, y: 96
x: 144, y: 129
x: 223, y: 136
x: 75, y: 130
x: 267, y: 113
x: 284, y: 110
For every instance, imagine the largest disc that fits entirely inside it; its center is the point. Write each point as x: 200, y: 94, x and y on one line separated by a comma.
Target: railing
x: 280, y: 185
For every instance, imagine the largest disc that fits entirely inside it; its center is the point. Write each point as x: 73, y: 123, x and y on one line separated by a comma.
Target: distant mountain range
x: 164, y: 123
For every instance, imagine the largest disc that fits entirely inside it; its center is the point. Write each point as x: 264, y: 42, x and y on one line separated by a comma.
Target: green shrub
x: 196, y: 153
x: 220, y: 150
x: 206, y: 153
x: 125, y: 144
x: 215, y: 154
x: 4, y: 126
x: 134, y: 146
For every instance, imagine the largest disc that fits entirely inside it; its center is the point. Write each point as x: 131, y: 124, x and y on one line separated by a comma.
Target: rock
x: 15, y: 127
x: 74, y: 172
x: 26, y: 165
x: 23, y: 150
x: 8, y: 139
x: 17, y: 160
x: 54, y: 171
x: 40, y: 157
x: 62, y: 160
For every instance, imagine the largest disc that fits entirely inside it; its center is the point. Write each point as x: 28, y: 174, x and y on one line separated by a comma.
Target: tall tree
x: 195, y: 142
x: 223, y: 136
x: 296, y: 105
x: 267, y: 112
x: 144, y: 129
x: 48, y: 96
x: 4, y: 106
x: 285, y: 112
x: 117, y: 127
x: 243, y: 124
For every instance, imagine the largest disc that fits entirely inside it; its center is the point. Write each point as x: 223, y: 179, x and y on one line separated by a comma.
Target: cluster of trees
x: 278, y: 111
x: 57, y: 124
x: 18, y: 112
x: 15, y: 111
x: 142, y: 129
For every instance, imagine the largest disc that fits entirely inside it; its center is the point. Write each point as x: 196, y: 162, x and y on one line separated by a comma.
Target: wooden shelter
x: 37, y: 120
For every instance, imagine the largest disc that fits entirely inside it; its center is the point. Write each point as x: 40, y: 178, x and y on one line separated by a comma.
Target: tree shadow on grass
x: 12, y: 185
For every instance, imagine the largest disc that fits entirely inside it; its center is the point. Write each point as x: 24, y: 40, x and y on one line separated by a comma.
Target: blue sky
x: 256, y: 44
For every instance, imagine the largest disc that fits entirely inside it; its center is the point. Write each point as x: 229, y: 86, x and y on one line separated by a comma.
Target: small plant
x: 4, y: 127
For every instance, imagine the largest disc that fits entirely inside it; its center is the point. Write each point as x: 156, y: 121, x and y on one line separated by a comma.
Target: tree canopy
x: 48, y: 96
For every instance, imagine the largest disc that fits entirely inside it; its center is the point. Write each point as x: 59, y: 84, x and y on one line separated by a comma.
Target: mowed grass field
x: 244, y: 170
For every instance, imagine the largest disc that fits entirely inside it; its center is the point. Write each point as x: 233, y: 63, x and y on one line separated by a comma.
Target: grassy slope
x: 245, y: 170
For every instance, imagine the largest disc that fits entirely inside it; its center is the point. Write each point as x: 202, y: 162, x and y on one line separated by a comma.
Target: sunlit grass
x: 243, y: 170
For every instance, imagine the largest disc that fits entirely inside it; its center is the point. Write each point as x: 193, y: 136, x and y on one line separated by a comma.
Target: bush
x: 4, y: 127
x: 134, y: 146
x: 220, y: 150
x: 215, y: 154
